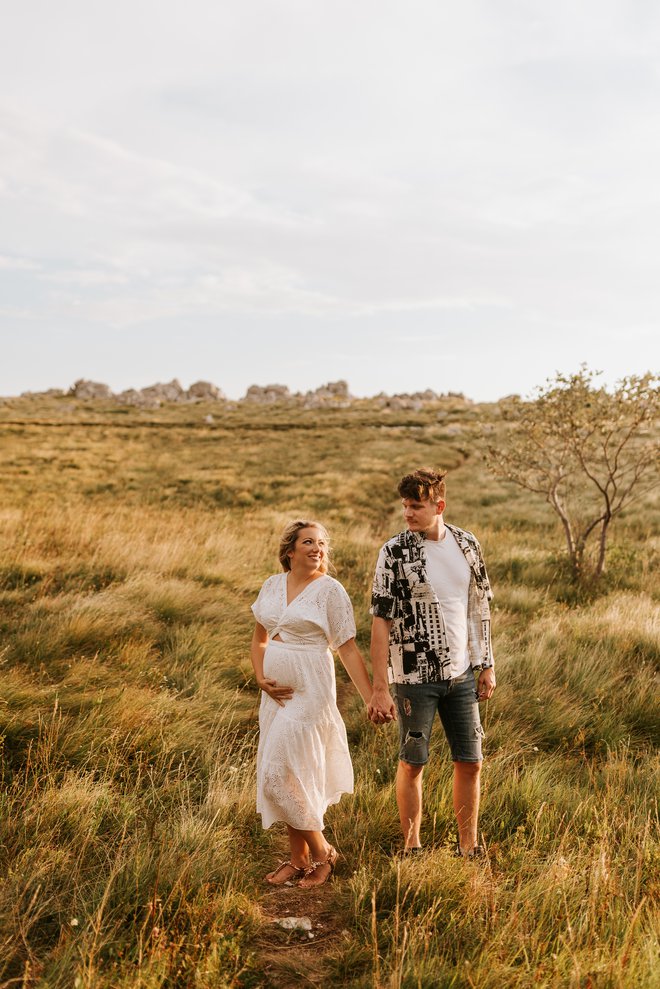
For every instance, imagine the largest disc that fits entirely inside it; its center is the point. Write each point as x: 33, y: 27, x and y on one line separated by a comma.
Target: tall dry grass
x: 131, y: 547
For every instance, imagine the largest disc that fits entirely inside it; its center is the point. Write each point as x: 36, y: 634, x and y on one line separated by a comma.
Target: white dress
x: 303, y: 764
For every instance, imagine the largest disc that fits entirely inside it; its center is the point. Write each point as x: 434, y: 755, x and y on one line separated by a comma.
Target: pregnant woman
x: 303, y: 764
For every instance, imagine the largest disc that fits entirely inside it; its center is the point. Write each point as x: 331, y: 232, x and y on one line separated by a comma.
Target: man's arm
x: 381, y: 707
x: 486, y: 683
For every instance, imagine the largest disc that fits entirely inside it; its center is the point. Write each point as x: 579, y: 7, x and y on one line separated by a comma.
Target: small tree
x: 587, y: 450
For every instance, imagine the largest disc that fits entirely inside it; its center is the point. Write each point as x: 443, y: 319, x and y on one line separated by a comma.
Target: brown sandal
x: 330, y: 860
x: 297, y: 873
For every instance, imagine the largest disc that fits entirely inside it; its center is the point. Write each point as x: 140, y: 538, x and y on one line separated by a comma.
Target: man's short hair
x: 424, y: 483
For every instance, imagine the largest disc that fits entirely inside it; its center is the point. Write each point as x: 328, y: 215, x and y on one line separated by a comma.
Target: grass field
x: 131, y: 546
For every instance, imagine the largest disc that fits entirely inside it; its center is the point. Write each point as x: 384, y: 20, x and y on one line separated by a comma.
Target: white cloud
x: 468, y: 166
x: 17, y: 264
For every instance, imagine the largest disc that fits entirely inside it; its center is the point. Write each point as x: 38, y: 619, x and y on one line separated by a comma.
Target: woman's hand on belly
x: 279, y: 693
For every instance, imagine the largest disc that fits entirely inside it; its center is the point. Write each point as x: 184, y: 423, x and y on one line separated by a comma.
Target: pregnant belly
x: 306, y: 669
x: 285, y: 667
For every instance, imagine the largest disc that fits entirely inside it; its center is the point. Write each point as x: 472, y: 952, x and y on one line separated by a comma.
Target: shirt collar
x: 417, y: 538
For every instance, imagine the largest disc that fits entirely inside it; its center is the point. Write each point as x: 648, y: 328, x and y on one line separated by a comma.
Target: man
x: 430, y: 631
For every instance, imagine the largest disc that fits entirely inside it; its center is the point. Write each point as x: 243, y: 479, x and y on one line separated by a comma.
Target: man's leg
x: 416, y: 705
x: 409, y: 801
x: 466, y: 803
x: 459, y: 713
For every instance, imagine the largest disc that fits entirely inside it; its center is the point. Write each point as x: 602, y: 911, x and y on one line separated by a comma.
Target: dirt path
x: 293, y: 958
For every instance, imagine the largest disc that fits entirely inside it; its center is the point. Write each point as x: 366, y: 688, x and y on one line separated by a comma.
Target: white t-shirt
x: 449, y: 575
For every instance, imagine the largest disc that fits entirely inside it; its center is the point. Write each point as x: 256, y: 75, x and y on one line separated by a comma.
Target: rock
x: 133, y: 397
x: 417, y: 400
x: 414, y: 402
x: 403, y: 402
x: 205, y: 390
x: 314, y: 401
x: 267, y: 394
x: 49, y: 393
x: 154, y: 395
x: 333, y: 389
x: 209, y: 419
x: 294, y: 923
x: 170, y: 392
x: 89, y: 389
x: 335, y: 393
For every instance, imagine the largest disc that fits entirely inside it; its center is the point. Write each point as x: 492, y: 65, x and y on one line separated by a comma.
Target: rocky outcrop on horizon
x: 417, y: 400
x: 89, y: 389
x: 267, y: 394
x: 334, y: 394
x: 204, y: 391
x: 151, y: 397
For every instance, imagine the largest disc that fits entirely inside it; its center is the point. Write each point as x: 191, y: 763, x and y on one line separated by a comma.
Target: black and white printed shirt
x: 419, y: 652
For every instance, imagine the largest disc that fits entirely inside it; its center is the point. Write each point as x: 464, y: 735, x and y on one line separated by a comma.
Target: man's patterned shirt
x: 419, y: 652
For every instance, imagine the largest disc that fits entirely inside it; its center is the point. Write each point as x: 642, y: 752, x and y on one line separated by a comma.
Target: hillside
x: 132, y: 544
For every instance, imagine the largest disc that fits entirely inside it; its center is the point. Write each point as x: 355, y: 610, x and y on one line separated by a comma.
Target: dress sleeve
x: 258, y: 607
x: 383, y: 602
x: 341, y: 622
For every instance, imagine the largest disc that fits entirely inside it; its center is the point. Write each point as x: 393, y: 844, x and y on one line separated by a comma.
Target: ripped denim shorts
x: 456, y: 703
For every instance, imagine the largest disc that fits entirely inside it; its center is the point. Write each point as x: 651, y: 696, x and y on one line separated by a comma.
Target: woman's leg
x: 315, y: 841
x: 322, y: 853
x: 300, y: 855
x: 299, y: 858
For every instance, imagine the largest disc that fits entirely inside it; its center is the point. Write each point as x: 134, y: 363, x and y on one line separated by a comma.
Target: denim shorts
x: 456, y: 701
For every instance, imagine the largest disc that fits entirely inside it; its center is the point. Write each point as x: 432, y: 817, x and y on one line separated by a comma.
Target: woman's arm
x: 353, y: 663
x: 257, y: 650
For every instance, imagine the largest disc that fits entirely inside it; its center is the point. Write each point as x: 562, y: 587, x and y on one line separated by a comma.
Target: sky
x: 405, y: 195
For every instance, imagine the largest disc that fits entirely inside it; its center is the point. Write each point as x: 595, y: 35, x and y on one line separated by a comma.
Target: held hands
x: 486, y: 684
x: 280, y: 694
x: 381, y: 709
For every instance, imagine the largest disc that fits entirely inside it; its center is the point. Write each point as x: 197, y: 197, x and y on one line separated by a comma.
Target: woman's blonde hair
x: 289, y: 539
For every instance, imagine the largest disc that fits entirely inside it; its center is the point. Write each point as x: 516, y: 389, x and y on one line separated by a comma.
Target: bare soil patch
x: 291, y: 957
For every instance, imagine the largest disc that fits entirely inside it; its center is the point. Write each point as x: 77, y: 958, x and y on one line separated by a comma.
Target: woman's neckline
x: 302, y: 590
